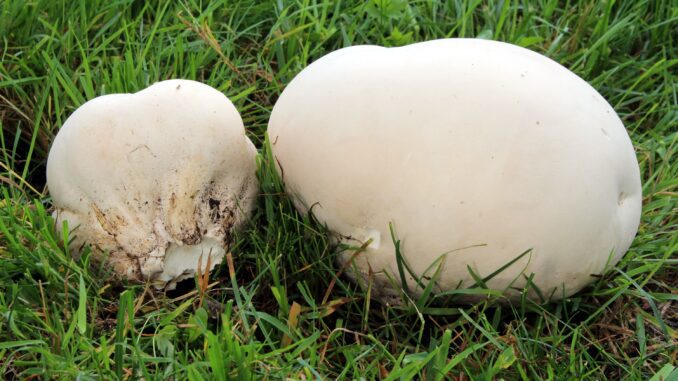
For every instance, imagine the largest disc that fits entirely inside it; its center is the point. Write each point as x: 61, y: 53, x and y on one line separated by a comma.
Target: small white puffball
x: 476, y: 151
x: 155, y: 181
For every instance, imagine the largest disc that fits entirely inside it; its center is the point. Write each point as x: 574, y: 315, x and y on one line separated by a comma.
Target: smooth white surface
x: 136, y: 174
x: 475, y: 148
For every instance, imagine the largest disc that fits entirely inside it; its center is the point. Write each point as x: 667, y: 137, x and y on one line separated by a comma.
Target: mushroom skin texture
x: 155, y: 181
x: 476, y: 151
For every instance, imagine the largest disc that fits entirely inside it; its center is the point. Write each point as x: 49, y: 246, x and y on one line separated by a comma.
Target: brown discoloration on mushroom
x: 148, y: 194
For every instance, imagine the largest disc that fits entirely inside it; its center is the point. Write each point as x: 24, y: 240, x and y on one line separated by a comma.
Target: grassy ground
x: 267, y: 316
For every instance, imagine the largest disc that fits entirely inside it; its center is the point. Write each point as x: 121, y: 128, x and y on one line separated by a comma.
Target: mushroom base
x: 386, y: 290
x: 182, y: 261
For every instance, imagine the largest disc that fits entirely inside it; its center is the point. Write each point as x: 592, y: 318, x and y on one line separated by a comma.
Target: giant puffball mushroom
x: 156, y: 181
x: 475, y: 151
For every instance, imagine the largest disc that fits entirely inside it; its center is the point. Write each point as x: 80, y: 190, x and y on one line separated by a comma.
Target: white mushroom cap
x: 475, y: 148
x: 156, y: 179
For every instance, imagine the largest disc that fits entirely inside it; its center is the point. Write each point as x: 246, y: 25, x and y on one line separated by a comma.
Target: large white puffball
x: 474, y: 150
x: 156, y: 181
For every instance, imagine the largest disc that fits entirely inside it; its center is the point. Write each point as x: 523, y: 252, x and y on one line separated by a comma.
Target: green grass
x: 268, y: 316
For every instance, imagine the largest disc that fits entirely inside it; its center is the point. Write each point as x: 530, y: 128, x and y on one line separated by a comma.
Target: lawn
x: 279, y: 307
